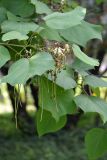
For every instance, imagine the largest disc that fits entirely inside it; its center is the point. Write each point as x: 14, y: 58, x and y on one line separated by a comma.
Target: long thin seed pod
x: 15, y: 107
x: 41, y: 99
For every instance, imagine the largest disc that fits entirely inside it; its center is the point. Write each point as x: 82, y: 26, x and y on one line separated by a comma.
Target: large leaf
x: 4, y: 55
x: 2, y: 14
x: 18, y: 7
x: 12, y: 17
x: 82, y: 33
x: 18, y: 72
x: 64, y: 80
x: 83, y: 57
x: 80, y: 65
x: 65, y: 20
x: 92, y: 104
x: 47, y: 123
x: 96, y: 143
x: 41, y: 7
x: 22, y: 27
x: 55, y: 99
x: 95, y: 81
x: 40, y: 63
x: 14, y: 35
x: 50, y: 34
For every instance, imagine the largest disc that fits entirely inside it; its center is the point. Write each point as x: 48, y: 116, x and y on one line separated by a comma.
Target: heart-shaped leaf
x: 47, y: 123
x: 4, y: 55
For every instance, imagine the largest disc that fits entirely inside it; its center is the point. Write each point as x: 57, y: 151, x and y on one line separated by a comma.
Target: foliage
x: 34, y: 43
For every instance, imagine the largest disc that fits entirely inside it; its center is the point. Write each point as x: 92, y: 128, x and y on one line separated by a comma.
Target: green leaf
x: 40, y: 63
x: 12, y: 17
x: 2, y: 14
x: 22, y: 27
x: 92, y: 104
x: 96, y: 143
x: 83, y: 57
x: 55, y: 99
x: 14, y: 35
x: 18, y: 72
x: 82, y: 33
x: 64, y: 80
x: 4, y: 55
x: 41, y: 7
x: 50, y: 34
x: 18, y: 7
x: 80, y: 65
x: 48, y: 124
x: 94, y: 81
x: 65, y: 20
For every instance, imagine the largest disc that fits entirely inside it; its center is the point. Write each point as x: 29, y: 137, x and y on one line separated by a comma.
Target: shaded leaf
x: 41, y: 7
x: 18, y: 7
x: 96, y: 143
x: 12, y: 17
x: 2, y: 14
x: 55, y: 99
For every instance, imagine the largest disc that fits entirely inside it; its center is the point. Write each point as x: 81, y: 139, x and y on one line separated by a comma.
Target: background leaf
x: 41, y: 7
x: 18, y: 7
x: 96, y: 143
x: 95, y: 81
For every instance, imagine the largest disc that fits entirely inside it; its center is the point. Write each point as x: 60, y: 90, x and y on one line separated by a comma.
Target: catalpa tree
x: 46, y: 48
